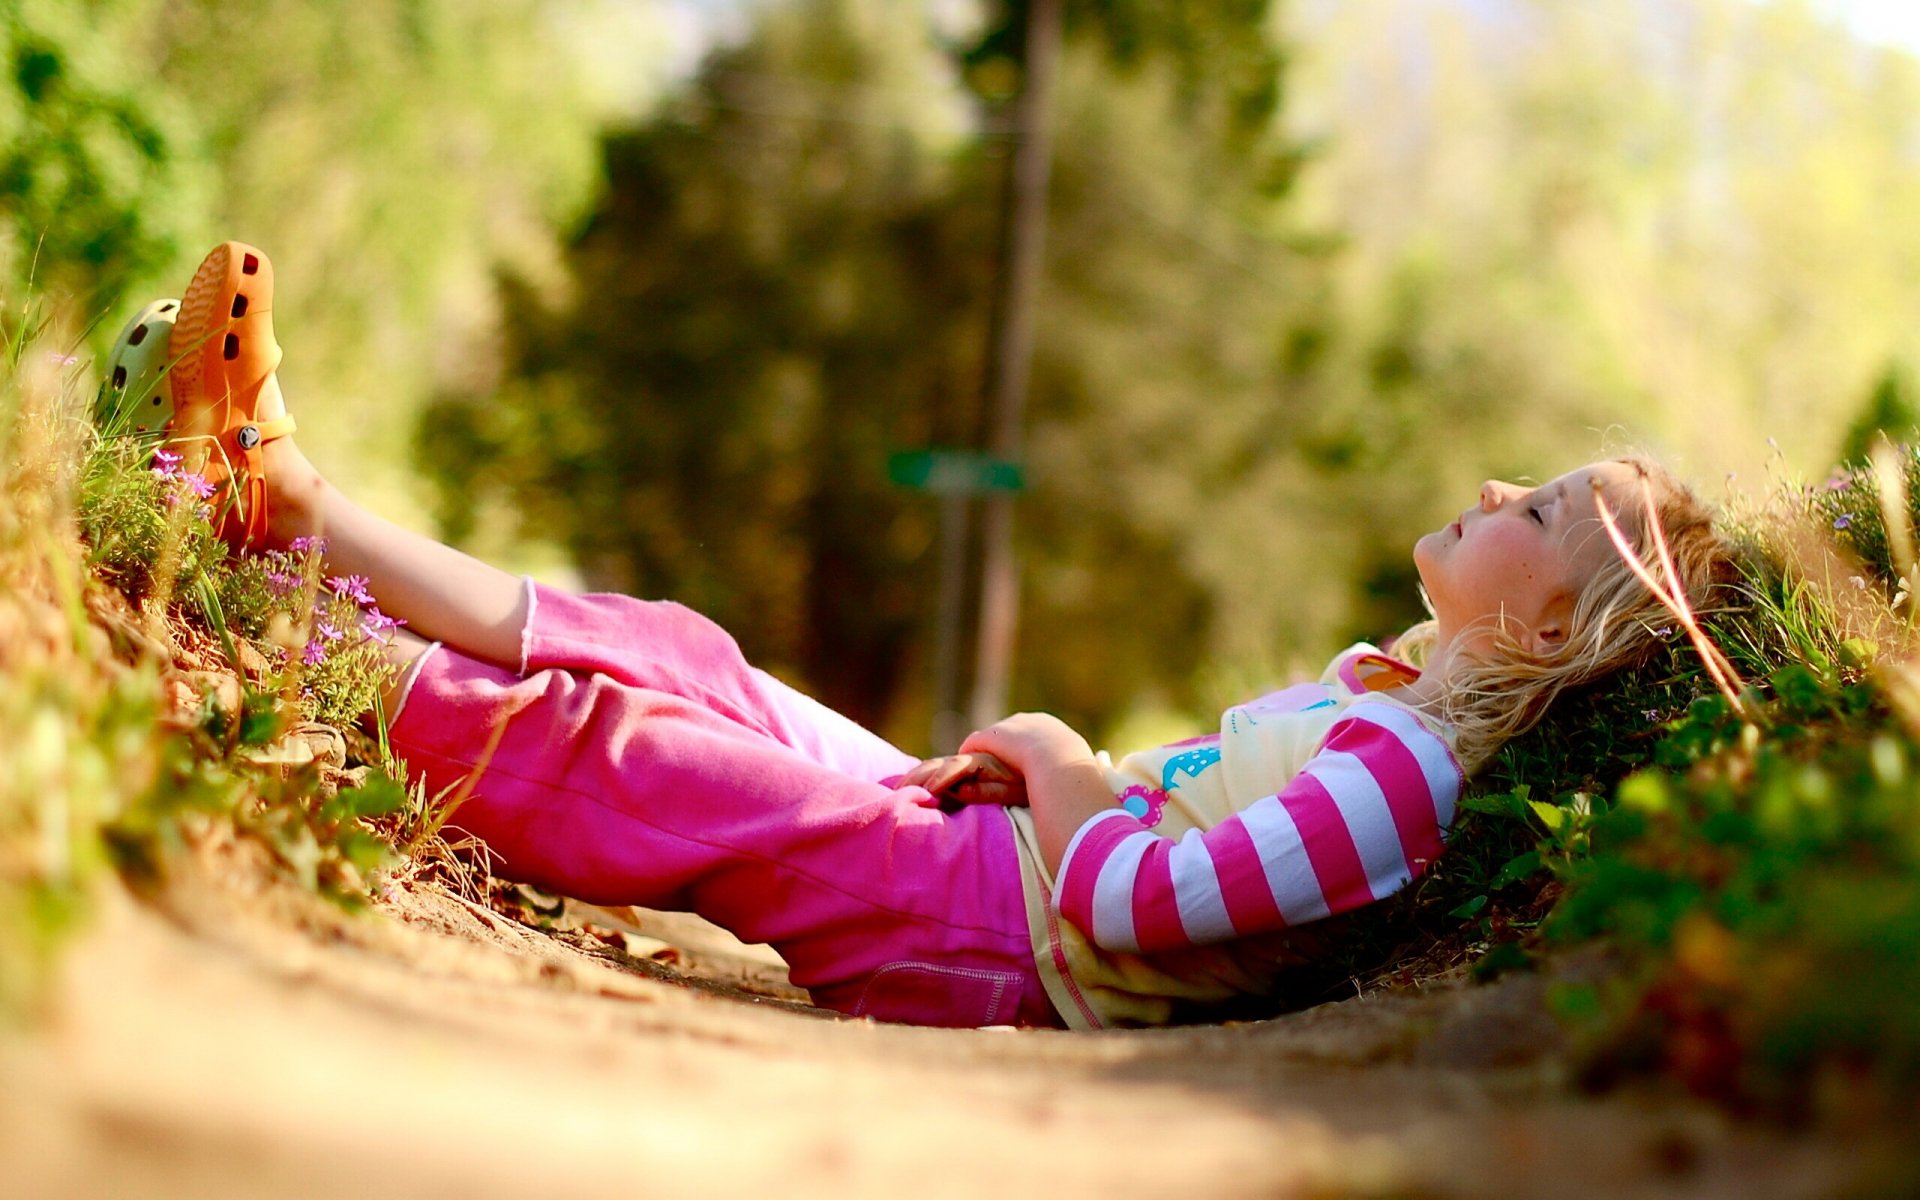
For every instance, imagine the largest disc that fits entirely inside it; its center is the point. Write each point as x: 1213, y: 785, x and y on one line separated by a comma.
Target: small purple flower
x: 1838, y: 481
x: 353, y: 587
x: 170, y: 498
x: 1843, y: 521
x: 165, y: 460
x: 282, y: 583
x: 305, y: 545
x: 197, y: 485
x: 315, y: 654
x: 379, y: 622
x: 327, y: 631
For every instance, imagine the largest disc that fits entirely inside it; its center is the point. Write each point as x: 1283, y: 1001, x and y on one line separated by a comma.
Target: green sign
x: 954, y: 472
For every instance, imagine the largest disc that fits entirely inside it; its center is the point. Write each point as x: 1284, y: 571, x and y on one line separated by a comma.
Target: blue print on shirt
x: 1189, y: 763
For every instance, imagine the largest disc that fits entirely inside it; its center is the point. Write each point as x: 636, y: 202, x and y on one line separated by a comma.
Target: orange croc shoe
x: 224, y: 356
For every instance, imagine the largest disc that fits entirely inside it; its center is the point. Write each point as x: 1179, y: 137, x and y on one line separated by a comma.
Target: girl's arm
x: 1066, y: 786
x: 1364, y: 816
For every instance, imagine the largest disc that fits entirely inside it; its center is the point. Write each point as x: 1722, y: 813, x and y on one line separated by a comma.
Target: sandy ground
x: 247, y: 1042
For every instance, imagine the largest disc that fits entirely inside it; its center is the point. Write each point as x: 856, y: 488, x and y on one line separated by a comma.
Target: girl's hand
x: 976, y: 778
x: 1032, y: 743
x: 1066, y: 786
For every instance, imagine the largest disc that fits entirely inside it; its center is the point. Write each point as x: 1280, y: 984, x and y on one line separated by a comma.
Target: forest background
x: 621, y: 313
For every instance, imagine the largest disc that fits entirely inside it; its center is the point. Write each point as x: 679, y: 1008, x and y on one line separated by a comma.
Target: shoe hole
x: 137, y: 336
x: 239, y: 305
x: 250, y: 265
x: 169, y: 306
x: 156, y: 399
x: 233, y: 346
x: 119, y: 377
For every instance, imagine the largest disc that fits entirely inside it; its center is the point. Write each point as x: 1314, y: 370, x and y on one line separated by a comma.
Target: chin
x: 1424, y: 550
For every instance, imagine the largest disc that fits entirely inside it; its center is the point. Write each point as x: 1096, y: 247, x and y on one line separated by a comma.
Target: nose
x: 1495, y: 492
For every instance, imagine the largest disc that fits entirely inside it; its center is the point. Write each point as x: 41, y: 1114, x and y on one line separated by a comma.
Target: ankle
x: 296, y: 494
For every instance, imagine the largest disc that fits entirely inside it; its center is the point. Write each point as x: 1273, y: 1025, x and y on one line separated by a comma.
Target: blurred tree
x: 1682, y: 224
x: 789, y: 278
x: 1891, y: 408
x: 776, y: 291
x: 387, y: 155
x: 94, y: 186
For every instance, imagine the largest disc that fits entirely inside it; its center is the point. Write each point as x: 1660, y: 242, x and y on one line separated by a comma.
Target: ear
x: 1550, y: 631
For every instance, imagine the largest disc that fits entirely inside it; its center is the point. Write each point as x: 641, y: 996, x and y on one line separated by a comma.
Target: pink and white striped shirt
x: 1311, y: 801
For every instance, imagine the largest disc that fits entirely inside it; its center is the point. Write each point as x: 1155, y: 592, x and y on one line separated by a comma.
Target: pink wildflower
x: 379, y: 622
x: 315, y: 654
x: 354, y: 587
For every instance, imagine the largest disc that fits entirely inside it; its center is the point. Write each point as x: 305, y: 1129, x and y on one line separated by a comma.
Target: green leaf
x: 1507, y: 956
x: 1644, y: 791
x: 377, y: 797
x: 1556, y: 819
x: 363, y: 850
x: 1470, y: 908
x: 1517, y: 868
x: 1510, y: 804
x: 260, y: 719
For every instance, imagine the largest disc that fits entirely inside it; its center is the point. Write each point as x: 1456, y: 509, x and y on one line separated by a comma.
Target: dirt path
x: 252, y: 1044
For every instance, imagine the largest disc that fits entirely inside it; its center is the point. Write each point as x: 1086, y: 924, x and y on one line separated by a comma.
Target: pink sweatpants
x: 643, y: 761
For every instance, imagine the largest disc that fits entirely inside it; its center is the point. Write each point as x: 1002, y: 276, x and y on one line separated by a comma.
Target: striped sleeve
x: 1365, y: 815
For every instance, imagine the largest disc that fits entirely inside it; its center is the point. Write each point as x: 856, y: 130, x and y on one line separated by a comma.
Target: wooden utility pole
x: 1012, y: 355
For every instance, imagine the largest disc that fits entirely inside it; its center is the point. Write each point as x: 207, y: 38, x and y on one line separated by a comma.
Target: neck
x: 1427, y: 691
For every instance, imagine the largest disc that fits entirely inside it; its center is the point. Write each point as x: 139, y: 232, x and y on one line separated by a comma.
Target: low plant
x: 111, y: 756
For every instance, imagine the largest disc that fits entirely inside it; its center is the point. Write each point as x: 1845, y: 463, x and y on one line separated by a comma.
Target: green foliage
x: 1749, y: 863
x: 93, y: 182
x: 1891, y: 409
x: 1848, y: 507
x: 387, y: 162
x: 790, y: 277
x: 100, y: 764
x: 1748, y: 874
x: 761, y: 314
x: 145, y: 533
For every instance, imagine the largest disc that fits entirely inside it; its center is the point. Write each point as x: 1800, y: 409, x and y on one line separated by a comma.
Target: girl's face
x: 1521, y: 556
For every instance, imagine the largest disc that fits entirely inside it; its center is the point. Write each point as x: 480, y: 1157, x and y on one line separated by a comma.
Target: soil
x: 233, y: 1037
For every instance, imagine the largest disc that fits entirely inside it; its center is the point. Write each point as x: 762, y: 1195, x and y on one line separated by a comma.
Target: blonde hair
x: 1504, y: 690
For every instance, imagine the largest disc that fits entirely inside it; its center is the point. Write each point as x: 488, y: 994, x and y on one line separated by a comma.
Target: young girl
x: 622, y: 751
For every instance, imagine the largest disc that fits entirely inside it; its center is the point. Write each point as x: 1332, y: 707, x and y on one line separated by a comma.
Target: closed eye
x: 1538, y: 514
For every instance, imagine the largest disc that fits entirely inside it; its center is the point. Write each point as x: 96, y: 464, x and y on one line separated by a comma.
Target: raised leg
x: 443, y: 594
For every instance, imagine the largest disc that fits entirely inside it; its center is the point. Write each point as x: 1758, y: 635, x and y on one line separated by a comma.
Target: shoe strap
x: 277, y: 428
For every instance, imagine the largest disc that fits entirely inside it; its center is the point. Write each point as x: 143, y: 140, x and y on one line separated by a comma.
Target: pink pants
x: 643, y: 761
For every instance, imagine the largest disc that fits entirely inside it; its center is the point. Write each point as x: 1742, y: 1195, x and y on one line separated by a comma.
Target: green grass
x: 112, y: 759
